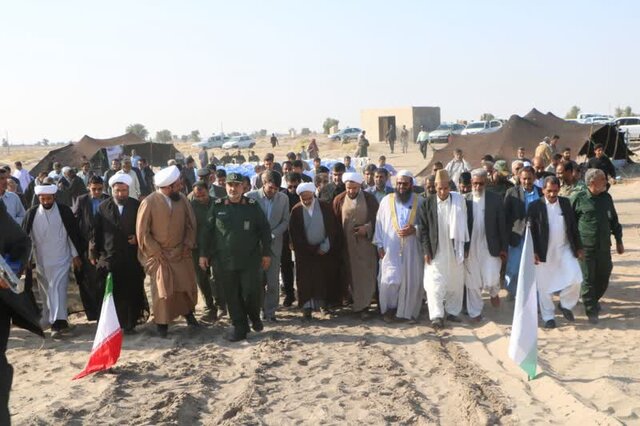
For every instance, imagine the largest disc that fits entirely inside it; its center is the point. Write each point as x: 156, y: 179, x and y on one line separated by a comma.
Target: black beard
x: 120, y: 202
x: 404, y: 197
x: 175, y: 196
x: 47, y: 207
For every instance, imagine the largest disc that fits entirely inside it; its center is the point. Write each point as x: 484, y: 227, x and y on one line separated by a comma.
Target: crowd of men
x: 326, y: 238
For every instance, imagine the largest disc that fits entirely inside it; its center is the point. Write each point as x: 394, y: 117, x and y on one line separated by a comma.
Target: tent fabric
x: 528, y: 132
x: 93, y: 150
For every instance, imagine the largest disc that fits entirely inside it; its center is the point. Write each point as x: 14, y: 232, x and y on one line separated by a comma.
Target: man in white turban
x: 314, y: 235
x: 166, y: 234
x: 401, y: 265
x: 356, y: 210
x: 56, y: 245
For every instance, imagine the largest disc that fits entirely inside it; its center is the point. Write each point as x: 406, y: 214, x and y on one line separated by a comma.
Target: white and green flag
x: 108, y: 340
x: 523, y: 345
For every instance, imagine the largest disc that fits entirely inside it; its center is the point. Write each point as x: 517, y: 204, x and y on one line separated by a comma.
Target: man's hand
x: 3, y: 284
x: 580, y: 254
x: 620, y: 248
x: 77, y: 263
x: 186, y: 251
x: 266, y: 262
x: 320, y: 252
x: 94, y: 262
x: 203, y: 262
x: 407, y: 231
x: 536, y: 259
x: 503, y: 255
x: 381, y: 253
x: 360, y: 231
x: 427, y: 259
x: 132, y: 240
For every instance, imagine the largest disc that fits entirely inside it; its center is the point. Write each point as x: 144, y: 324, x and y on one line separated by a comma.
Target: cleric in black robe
x: 114, y: 249
x: 85, y: 209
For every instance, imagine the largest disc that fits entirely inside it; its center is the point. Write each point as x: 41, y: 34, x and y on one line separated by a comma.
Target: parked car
x: 346, y: 134
x: 444, y: 130
x: 239, y: 142
x: 589, y: 118
x: 482, y: 127
x: 629, y: 125
x: 215, y: 141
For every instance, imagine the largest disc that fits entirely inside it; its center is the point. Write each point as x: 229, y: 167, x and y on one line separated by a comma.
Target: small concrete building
x: 376, y: 122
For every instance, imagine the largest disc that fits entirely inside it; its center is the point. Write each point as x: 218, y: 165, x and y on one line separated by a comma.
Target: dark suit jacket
x: 514, y: 213
x: 68, y: 220
x: 539, y: 221
x: 146, y: 184
x: 494, y: 222
x: 112, y: 231
x: 83, y: 212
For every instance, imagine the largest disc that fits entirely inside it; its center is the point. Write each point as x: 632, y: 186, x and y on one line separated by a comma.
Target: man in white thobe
x: 56, y: 246
x: 399, y: 251
x: 443, y: 234
x: 557, y: 248
x: 134, y: 189
x: 488, y: 246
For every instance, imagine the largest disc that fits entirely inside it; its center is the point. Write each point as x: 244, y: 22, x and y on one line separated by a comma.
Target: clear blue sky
x: 73, y: 67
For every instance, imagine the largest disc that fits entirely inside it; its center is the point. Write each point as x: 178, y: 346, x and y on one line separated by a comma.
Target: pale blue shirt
x: 14, y: 206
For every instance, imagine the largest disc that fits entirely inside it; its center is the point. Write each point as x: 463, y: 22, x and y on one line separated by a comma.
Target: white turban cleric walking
x: 45, y: 189
x: 120, y: 178
x: 166, y: 176
x: 352, y: 177
x: 305, y: 187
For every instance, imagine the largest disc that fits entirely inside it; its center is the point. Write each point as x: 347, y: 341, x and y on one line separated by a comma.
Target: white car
x: 215, y: 141
x: 444, y: 130
x: 345, y: 135
x: 590, y: 118
x: 482, y: 127
x: 629, y: 125
x: 239, y: 142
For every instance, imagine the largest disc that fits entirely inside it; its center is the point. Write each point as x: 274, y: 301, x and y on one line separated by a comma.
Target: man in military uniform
x: 238, y: 239
x: 597, y: 220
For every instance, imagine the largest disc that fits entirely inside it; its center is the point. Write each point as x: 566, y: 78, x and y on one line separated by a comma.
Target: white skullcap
x: 65, y: 169
x: 120, y: 178
x: 353, y: 177
x: 305, y: 187
x: 406, y: 173
x: 526, y: 164
x: 45, y: 189
x: 166, y: 176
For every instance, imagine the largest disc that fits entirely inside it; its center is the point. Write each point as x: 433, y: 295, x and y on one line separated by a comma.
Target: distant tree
x: 164, y: 136
x: 625, y: 112
x: 262, y: 133
x: 305, y: 131
x: 5, y: 143
x: 45, y: 142
x: 329, y: 123
x: 195, y: 136
x: 138, y: 130
x: 184, y: 138
x: 573, y: 113
x: 487, y: 116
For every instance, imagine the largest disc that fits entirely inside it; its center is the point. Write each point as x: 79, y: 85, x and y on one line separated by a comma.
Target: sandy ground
x: 342, y: 370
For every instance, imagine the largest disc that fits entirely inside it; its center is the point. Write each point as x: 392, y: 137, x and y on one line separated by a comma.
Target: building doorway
x: 384, y: 123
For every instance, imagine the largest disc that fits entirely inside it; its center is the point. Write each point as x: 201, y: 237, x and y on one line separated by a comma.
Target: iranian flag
x: 108, y: 340
x: 523, y: 345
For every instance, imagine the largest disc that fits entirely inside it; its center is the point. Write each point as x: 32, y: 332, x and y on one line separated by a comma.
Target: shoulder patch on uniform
x: 251, y: 200
x: 218, y: 201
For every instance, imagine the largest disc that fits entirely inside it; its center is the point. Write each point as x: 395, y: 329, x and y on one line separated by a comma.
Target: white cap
x: 305, y: 187
x: 352, y: 177
x: 405, y: 173
x: 45, y: 189
x: 166, y: 176
x: 120, y: 178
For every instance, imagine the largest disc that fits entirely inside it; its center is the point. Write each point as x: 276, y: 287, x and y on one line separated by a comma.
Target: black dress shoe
x: 593, y: 318
x: 306, y: 314
x: 257, y: 325
x: 235, y: 335
x: 568, y: 315
x: 437, y: 324
x: 550, y: 324
x: 163, y: 330
x: 288, y: 301
x: 191, y: 320
x: 453, y: 318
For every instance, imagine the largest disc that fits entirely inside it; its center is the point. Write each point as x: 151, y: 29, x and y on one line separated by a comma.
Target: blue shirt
x: 95, y: 202
x: 14, y: 206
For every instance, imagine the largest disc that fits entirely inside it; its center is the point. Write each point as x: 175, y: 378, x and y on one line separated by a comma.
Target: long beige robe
x: 361, y: 254
x: 172, y: 233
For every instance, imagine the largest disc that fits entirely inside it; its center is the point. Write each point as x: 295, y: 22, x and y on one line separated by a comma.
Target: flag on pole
x: 108, y: 340
x: 523, y: 344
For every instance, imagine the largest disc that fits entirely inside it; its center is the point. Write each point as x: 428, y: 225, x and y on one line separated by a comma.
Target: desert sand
x: 342, y: 370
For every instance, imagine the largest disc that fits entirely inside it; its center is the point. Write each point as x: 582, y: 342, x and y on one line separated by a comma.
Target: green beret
x: 203, y: 172
x: 234, y: 177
